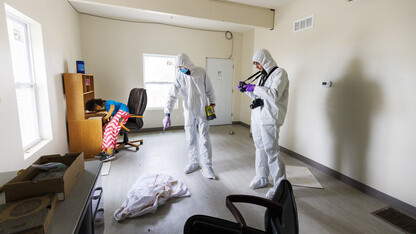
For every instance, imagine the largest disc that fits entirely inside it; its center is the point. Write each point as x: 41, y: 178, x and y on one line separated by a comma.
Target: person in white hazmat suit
x: 197, y: 93
x: 267, y: 117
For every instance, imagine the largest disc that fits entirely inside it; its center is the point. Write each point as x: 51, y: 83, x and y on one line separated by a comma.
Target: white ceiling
x: 137, y: 15
x: 272, y: 4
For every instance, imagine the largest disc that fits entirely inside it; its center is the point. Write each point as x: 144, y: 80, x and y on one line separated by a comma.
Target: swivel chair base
x: 129, y: 143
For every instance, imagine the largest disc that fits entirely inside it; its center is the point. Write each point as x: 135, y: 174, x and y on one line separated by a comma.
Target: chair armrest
x: 131, y: 116
x: 122, y: 125
x: 236, y: 213
x: 229, y: 200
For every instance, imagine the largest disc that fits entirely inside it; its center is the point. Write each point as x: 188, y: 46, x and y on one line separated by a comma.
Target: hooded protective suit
x: 197, y: 93
x: 266, y: 121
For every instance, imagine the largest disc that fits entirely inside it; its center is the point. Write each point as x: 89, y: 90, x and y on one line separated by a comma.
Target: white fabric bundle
x: 148, y: 193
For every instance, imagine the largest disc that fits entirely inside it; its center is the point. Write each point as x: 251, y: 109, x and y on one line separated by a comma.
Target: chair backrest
x: 137, y: 104
x: 288, y: 221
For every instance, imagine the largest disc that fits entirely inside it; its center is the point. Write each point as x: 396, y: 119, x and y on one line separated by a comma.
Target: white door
x: 220, y: 72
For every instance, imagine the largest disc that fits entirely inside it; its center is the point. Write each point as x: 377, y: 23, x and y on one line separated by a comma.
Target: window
x: 26, y: 46
x: 24, y: 80
x: 159, y: 74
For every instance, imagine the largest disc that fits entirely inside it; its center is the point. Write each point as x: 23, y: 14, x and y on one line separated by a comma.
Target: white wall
x: 365, y: 126
x: 248, y: 69
x: 113, y: 53
x: 61, y: 38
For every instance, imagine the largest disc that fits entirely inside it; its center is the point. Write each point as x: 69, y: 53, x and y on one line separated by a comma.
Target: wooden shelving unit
x: 85, y: 135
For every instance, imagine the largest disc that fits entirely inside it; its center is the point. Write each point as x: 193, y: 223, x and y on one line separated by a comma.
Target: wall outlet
x: 326, y: 84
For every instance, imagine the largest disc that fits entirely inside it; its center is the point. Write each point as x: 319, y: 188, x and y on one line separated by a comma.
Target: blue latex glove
x: 166, y: 122
x: 249, y: 87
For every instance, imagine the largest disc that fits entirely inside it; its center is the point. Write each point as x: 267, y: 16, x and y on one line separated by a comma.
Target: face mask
x: 183, y: 70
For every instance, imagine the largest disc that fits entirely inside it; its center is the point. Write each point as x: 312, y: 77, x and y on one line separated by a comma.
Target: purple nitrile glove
x: 166, y: 122
x: 249, y: 87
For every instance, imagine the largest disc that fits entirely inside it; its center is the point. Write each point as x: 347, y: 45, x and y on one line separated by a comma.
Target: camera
x: 256, y: 103
x: 242, y: 83
x: 240, y: 86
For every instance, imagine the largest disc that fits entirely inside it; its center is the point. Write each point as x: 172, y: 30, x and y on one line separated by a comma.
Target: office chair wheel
x: 137, y: 148
x: 116, y: 150
x: 141, y: 142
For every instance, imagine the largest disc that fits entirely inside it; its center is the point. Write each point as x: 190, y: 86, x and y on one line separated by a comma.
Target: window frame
x: 158, y: 82
x: 32, y: 79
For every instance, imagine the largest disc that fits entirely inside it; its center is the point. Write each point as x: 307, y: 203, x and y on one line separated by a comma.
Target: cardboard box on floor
x: 22, y: 187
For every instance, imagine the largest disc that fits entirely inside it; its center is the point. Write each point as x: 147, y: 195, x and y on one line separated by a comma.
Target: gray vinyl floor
x: 338, y: 208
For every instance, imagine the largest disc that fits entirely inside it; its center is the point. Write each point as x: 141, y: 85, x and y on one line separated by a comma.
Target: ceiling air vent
x: 303, y: 24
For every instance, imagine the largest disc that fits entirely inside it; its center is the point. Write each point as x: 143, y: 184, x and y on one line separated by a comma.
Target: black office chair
x: 137, y: 104
x: 281, y: 215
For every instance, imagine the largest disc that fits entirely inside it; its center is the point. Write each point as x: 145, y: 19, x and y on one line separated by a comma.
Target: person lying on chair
x: 118, y: 113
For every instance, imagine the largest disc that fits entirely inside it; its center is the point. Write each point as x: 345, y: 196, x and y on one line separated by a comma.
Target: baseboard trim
x: 241, y: 123
x: 161, y: 129
x: 400, y: 205
x: 182, y: 127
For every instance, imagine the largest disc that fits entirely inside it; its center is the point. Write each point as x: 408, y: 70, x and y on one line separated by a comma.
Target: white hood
x: 264, y: 58
x: 183, y: 60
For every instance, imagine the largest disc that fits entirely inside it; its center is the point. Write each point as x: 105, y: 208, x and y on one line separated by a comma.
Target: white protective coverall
x: 266, y: 122
x: 197, y: 93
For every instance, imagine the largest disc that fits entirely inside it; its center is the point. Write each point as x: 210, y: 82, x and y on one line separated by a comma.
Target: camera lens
x: 256, y: 103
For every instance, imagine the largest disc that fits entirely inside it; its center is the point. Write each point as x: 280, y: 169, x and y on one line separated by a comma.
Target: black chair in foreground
x: 281, y: 215
x: 137, y: 104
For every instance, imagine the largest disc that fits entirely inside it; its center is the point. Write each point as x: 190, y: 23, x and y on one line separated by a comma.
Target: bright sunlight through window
x: 24, y: 79
x: 30, y: 81
x: 159, y: 74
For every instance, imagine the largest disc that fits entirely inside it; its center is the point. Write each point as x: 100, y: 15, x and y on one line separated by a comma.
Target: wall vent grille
x: 303, y: 24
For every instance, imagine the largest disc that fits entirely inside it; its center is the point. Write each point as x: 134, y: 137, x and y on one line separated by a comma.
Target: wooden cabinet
x: 85, y: 133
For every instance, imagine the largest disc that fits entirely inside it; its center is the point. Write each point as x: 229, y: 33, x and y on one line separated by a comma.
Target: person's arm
x: 172, y: 96
x: 251, y: 95
x: 109, y: 112
x: 275, y: 91
x: 209, y: 90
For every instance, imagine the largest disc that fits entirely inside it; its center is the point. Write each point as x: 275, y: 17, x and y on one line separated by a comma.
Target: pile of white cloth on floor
x: 148, y: 193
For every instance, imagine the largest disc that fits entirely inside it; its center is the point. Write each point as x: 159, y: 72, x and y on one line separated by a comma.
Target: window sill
x: 159, y: 108
x: 29, y: 152
x: 154, y: 108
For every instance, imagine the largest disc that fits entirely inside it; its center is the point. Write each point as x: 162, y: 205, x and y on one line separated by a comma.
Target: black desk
x: 74, y: 214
